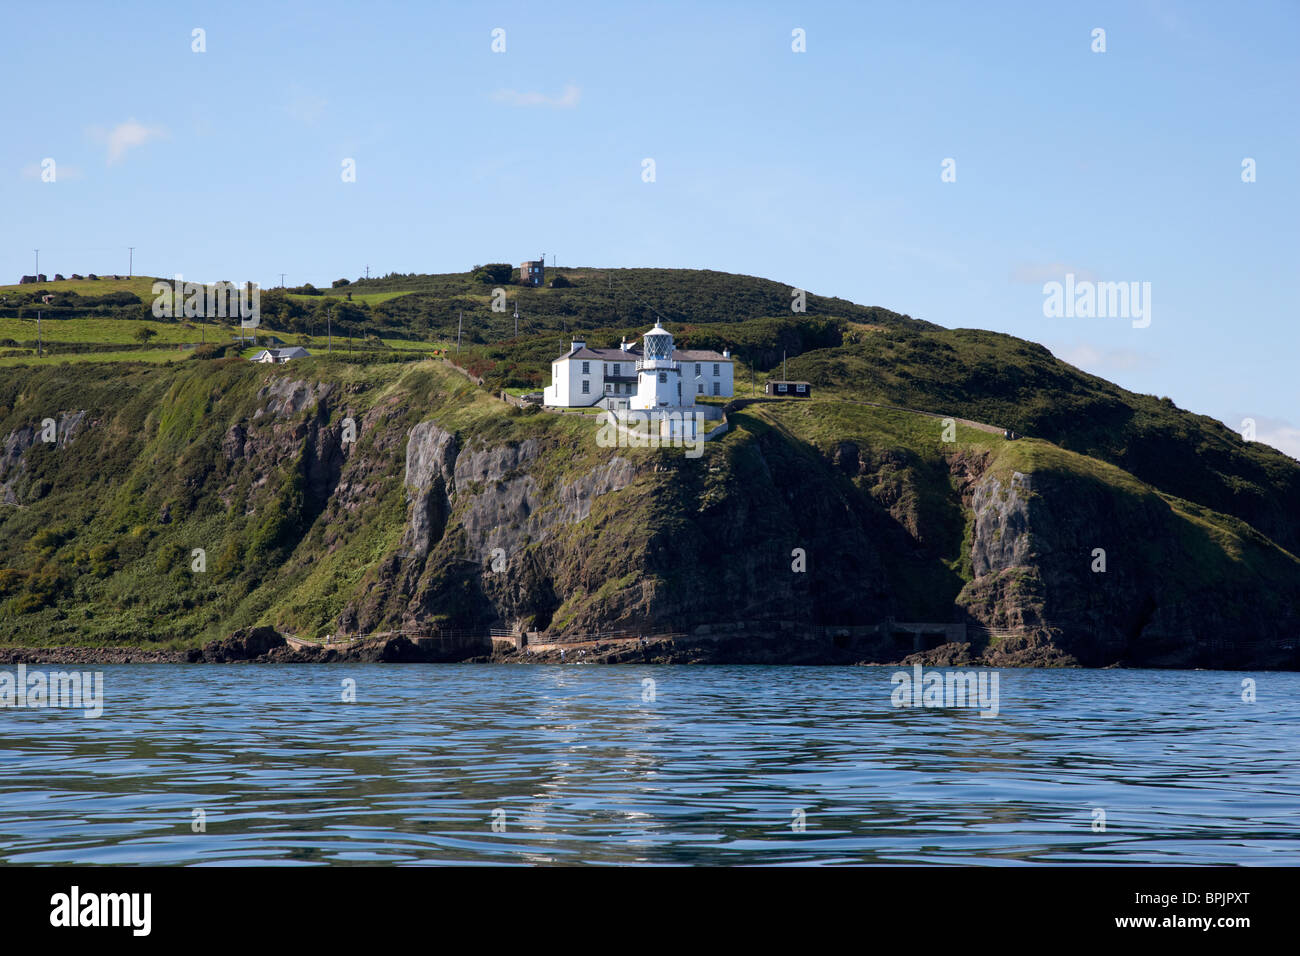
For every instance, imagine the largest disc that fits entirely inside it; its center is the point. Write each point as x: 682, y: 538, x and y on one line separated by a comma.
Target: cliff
x: 180, y: 505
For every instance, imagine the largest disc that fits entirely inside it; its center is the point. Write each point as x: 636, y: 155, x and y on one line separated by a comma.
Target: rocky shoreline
x: 264, y: 645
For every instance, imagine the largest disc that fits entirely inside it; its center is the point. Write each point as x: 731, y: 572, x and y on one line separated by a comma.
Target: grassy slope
x: 148, y: 355
x: 139, y: 285
x: 89, y: 559
x: 111, y: 331
x: 858, y: 353
x: 370, y: 298
x: 1006, y: 381
x: 1205, y: 548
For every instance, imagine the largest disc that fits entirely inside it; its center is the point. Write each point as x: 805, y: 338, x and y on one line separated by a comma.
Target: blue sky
x: 821, y: 169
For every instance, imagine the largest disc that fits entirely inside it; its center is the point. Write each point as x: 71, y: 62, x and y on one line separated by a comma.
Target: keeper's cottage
x: 655, y: 376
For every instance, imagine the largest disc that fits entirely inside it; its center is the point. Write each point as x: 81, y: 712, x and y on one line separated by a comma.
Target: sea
x: 575, y: 764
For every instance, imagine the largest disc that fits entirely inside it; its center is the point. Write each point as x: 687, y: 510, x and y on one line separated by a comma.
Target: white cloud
x: 125, y: 136
x: 566, y: 100
x: 1031, y: 273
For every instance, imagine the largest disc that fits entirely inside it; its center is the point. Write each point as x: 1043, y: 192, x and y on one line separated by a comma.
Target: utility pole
x: 329, y: 332
x: 367, y: 272
x: 516, y: 318
x: 281, y: 280
x: 784, y: 375
x: 459, y: 321
x: 130, y: 269
x: 38, y: 262
x: 38, y: 334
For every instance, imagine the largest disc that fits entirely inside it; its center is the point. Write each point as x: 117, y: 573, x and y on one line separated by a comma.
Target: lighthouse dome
x: 658, y: 343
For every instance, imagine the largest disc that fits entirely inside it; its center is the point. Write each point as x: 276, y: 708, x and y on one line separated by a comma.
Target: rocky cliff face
x: 496, y: 535
x: 365, y: 504
x: 18, y: 443
x: 1100, y: 574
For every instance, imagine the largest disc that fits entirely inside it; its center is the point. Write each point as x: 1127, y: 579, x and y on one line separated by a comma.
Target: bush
x: 340, y: 283
x: 494, y: 272
x: 209, y: 351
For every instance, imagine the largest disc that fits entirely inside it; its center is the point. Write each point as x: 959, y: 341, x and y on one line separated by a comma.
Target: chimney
x: 726, y: 353
x: 624, y: 345
x: 577, y: 344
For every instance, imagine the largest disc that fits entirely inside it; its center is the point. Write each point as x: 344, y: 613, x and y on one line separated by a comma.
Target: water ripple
x: 579, y: 769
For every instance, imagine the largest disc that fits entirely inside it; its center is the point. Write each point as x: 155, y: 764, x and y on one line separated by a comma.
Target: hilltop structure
x: 533, y: 272
x: 653, y: 377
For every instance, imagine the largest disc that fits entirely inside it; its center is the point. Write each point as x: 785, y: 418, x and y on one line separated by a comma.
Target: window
x: 586, y: 368
x: 801, y: 388
x: 609, y: 387
x: 717, y: 369
x: 700, y: 387
x: 716, y: 388
x: 663, y: 377
x: 697, y: 368
x: 618, y: 369
x: 586, y: 388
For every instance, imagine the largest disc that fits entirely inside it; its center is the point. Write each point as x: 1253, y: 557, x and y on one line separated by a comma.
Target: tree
x: 340, y: 283
x: 494, y: 272
x: 143, y: 334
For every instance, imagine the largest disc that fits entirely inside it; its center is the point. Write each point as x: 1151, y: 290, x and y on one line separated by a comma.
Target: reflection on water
x: 711, y: 770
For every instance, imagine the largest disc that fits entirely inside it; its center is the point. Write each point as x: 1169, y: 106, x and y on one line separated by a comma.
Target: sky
x: 944, y: 160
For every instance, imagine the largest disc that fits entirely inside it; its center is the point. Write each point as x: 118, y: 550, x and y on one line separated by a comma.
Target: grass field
x: 152, y: 356
x: 111, y: 331
x: 411, y: 345
x: 108, y: 331
x: 370, y: 298
x: 140, y: 285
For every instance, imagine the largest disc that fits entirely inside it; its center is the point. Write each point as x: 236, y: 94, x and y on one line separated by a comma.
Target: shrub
x: 494, y: 272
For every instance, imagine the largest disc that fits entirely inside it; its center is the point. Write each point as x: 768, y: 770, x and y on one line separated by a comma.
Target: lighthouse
x: 659, y: 376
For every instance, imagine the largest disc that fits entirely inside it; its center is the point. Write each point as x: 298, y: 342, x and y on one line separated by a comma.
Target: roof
x: 782, y: 381
x: 631, y: 355
x: 294, y: 351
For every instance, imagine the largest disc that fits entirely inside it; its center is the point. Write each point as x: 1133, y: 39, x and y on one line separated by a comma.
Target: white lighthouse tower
x: 659, y: 378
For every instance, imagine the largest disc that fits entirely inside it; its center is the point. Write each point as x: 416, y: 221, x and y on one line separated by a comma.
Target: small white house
x: 655, y: 376
x: 280, y: 356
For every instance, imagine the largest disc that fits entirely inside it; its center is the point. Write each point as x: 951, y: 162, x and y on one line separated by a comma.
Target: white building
x: 279, y: 356
x: 656, y: 376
